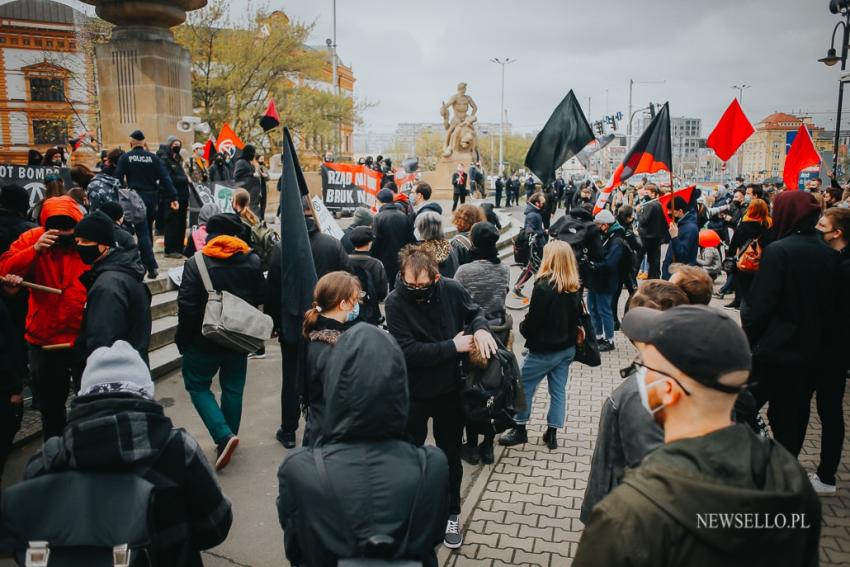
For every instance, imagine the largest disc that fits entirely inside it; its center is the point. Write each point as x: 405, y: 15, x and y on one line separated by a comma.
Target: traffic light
x: 599, y: 126
x: 612, y: 120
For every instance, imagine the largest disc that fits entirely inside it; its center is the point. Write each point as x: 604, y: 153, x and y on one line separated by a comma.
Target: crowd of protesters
x: 681, y: 437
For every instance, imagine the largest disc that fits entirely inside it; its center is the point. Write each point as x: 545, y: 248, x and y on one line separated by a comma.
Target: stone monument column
x: 144, y: 76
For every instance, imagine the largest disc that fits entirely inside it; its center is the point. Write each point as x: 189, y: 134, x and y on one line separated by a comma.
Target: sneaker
x: 486, y: 452
x: 259, y: 355
x: 822, y: 488
x: 286, y: 438
x: 718, y: 295
x: 516, y: 436
x: 550, y: 438
x: 225, y: 451
x: 454, y: 537
x: 153, y: 274
x: 469, y: 453
x: 518, y: 292
x: 175, y: 255
x: 732, y: 306
x: 606, y: 346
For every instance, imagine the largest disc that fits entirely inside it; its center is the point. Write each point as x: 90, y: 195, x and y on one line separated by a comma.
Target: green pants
x: 199, y: 368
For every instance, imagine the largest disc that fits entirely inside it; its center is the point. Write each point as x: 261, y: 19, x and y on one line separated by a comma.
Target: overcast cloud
x: 408, y: 55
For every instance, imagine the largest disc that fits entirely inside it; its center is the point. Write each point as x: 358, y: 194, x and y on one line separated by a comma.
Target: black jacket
x: 393, y: 230
x: 373, y: 472
x: 13, y: 365
x: 118, y: 304
x: 552, y: 319
x: 786, y: 314
x: 125, y: 433
x: 745, y: 232
x: 239, y: 274
x: 322, y: 338
x: 174, y: 165
x: 425, y: 332
x: 459, y: 183
x: 12, y: 225
x: 652, y: 225
x: 429, y: 206
x: 145, y: 172
x: 375, y: 269
x: 221, y: 172
x: 328, y: 253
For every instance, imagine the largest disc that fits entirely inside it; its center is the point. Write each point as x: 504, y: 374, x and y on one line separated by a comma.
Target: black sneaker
x: 486, y: 452
x: 224, y: 451
x: 516, y: 436
x: 454, y: 537
x: 286, y: 438
x: 734, y: 305
x: 550, y: 438
x: 153, y: 274
x: 469, y: 453
x: 518, y: 291
x: 606, y: 346
x: 259, y: 355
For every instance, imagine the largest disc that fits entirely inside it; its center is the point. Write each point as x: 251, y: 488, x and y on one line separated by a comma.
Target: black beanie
x: 361, y: 236
x: 224, y: 224
x: 484, y: 236
x: 112, y: 210
x: 96, y: 227
x: 14, y: 198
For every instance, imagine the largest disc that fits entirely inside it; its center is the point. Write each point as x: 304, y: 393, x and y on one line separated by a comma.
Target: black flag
x: 299, y: 272
x: 565, y: 134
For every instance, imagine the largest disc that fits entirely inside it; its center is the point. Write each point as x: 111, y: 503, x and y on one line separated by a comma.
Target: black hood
x: 125, y: 260
x: 365, y: 388
x: 581, y: 213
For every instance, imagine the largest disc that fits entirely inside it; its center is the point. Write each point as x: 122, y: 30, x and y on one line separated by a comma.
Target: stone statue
x: 154, y: 13
x: 460, y: 130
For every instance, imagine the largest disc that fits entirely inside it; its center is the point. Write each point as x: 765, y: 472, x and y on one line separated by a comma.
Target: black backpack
x: 573, y: 231
x: 370, y: 311
x: 522, y: 247
x: 494, y: 395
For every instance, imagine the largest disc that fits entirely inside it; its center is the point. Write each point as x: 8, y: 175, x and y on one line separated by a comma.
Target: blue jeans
x: 599, y: 305
x: 556, y: 367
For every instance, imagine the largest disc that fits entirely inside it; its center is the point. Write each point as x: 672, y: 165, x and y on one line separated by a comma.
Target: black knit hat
x: 112, y: 210
x: 224, y: 224
x: 96, y: 227
x: 484, y: 236
x: 361, y: 236
x: 137, y: 135
x: 14, y: 198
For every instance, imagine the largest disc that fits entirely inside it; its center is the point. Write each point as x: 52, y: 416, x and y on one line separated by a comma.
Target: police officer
x: 146, y: 174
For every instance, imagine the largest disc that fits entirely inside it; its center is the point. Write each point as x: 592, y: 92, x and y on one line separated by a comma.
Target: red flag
x: 651, y: 153
x: 731, y: 131
x: 209, y: 149
x: 270, y: 119
x: 685, y: 194
x: 801, y: 155
x: 228, y: 142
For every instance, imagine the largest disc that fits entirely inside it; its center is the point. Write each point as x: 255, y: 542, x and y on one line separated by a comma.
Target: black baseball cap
x: 702, y: 342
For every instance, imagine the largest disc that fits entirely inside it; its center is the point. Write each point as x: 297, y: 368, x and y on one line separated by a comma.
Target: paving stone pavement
x: 528, y: 510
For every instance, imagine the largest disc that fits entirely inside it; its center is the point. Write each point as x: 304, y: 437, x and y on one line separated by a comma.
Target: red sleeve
x: 21, y: 255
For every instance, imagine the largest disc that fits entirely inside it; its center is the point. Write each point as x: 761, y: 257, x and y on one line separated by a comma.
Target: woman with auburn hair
x: 550, y: 330
x: 336, y: 305
x: 464, y: 218
x: 753, y: 227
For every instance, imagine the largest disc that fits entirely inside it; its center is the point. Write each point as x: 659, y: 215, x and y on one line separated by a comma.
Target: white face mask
x: 643, y: 389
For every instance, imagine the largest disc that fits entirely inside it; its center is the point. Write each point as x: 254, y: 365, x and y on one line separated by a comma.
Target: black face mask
x: 176, y: 150
x: 65, y: 240
x: 88, y: 253
x: 421, y: 295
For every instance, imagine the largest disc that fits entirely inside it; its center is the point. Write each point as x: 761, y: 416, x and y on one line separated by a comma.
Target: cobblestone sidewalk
x: 528, y: 512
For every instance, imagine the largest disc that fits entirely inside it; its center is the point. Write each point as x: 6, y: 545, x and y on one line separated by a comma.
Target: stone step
x: 161, y: 284
x: 162, y: 332
x: 164, y: 359
x: 163, y: 305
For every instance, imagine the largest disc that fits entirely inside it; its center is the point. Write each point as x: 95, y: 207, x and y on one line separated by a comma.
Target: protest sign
x: 32, y: 178
x: 325, y: 219
x: 346, y: 187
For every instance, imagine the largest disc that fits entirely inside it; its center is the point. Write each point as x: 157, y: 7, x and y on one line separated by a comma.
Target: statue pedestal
x: 145, y: 83
x: 440, y: 179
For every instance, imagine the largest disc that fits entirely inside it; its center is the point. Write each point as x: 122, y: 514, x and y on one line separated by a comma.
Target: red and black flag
x: 652, y: 153
x: 564, y: 135
x: 270, y: 119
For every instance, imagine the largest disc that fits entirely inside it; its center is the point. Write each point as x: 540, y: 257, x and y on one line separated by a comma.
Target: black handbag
x: 587, y: 348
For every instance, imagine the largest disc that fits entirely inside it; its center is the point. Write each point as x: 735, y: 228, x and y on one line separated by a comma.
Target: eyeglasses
x: 633, y: 367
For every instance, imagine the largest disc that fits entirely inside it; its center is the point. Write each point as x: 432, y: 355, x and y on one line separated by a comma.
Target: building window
x: 50, y: 132
x: 47, y: 90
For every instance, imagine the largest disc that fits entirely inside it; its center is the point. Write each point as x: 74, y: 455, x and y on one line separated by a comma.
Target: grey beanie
x: 114, y: 369
x: 207, y: 212
x: 171, y: 139
x: 361, y: 217
x: 604, y: 217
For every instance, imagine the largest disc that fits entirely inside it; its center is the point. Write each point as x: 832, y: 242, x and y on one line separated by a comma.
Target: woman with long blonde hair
x: 550, y: 330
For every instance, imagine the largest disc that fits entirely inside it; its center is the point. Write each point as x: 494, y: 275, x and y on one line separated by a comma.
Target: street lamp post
x: 632, y: 84
x: 740, y: 88
x: 838, y: 7
x: 335, y: 78
x: 507, y: 61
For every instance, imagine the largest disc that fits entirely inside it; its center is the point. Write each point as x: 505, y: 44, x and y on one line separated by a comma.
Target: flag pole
x: 672, y: 187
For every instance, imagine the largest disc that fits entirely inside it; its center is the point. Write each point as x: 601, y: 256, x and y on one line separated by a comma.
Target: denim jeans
x: 555, y: 366
x: 599, y: 305
x: 199, y: 368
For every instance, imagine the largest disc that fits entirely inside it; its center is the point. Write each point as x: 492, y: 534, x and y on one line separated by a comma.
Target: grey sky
x: 408, y: 55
